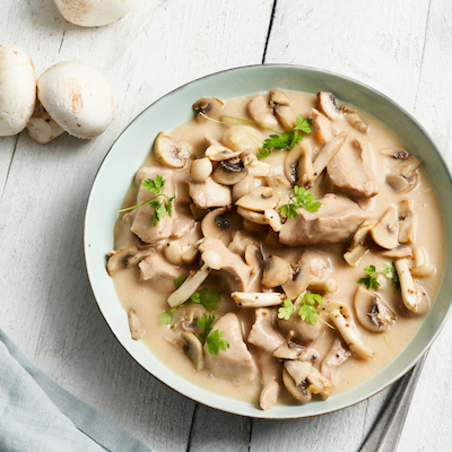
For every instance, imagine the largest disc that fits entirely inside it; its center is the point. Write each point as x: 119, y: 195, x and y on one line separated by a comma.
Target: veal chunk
x: 209, y: 194
x: 236, y: 363
x: 351, y: 172
x: 335, y: 222
x: 234, y: 272
x: 159, y: 272
x: 142, y: 224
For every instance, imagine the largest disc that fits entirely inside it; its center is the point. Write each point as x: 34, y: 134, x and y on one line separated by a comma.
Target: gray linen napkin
x: 38, y: 415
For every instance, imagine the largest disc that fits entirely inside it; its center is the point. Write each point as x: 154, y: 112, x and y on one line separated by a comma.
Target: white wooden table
x: 403, y: 48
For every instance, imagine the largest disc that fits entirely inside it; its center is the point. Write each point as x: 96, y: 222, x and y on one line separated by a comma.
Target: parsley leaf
x: 207, y: 299
x: 299, y: 197
x: 285, y: 140
x: 214, y: 341
x: 165, y: 318
x: 371, y: 281
x: 307, y: 310
x: 179, y: 281
x: 162, y: 207
x: 286, y: 310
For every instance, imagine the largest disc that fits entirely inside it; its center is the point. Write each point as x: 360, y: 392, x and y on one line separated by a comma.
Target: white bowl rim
x: 256, y: 413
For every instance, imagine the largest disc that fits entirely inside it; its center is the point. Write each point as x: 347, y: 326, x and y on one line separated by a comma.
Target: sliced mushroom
x: 421, y: 267
x: 372, y: 312
x: 300, y: 331
x: 193, y: 349
x: 257, y: 299
x: 259, y: 199
x: 201, y: 169
x: 209, y: 106
x: 321, y: 127
x: 273, y: 219
x: 303, y: 380
x: 281, y: 104
x: 327, y: 153
x: 254, y: 228
x: 292, y: 350
x: 298, y: 165
x: 125, y: 258
x: 240, y: 241
x: 260, y: 111
x: 136, y: 329
x: 399, y: 183
x: 218, y: 153
x: 189, y: 286
x: 298, y: 283
x: 360, y: 242
x: 401, y: 168
x: 340, y: 316
x: 386, y: 232
x: 229, y: 172
x: 336, y: 356
x: 400, y: 252
x: 253, y: 257
x: 327, y: 104
x: 354, y: 119
x: 407, y: 286
x: 172, y: 151
x: 407, y: 221
x: 219, y: 223
x: 276, y: 272
x: 268, y: 217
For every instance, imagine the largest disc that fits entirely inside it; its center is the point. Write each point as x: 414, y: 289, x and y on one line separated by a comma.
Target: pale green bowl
x: 129, y: 151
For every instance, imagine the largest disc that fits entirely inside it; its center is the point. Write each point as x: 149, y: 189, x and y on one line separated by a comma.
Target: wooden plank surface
x: 402, y: 48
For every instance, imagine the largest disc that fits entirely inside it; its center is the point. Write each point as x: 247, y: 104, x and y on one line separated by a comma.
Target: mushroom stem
x: 42, y: 128
x: 257, y: 300
x: 189, y: 287
x: 407, y: 286
x: 350, y: 336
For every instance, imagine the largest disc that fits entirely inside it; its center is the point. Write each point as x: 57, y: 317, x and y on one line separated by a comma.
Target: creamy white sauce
x: 148, y: 303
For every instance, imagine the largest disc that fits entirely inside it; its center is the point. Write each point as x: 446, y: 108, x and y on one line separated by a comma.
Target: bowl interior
x: 129, y: 151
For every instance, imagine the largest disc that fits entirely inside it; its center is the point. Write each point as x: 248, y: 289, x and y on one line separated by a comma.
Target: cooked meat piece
x: 270, y: 370
x: 333, y: 359
x: 335, y: 222
x: 298, y: 330
x: 236, y: 363
x: 351, y: 172
x: 141, y: 218
x: 209, y: 194
x: 234, y: 272
x: 183, y: 221
x: 263, y: 333
x: 159, y: 272
x: 321, y: 127
x: 260, y: 111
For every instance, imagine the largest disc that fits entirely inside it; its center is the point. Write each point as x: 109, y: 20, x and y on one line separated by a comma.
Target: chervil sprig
x: 299, y: 197
x: 307, y: 308
x: 214, y: 340
x: 371, y: 280
x: 161, y: 203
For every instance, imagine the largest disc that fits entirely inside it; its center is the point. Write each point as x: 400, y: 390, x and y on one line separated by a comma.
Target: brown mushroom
x: 218, y: 153
x: 401, y: 167
x: 421, y: 268
x: 281, y: 104
x: 253, y: 257
x: 209, y: 106
x: 292, y: 350
x: 276, y: 272
x: 126, y: 258
x: 327, y: 104
x: 172, y: 151
x: 354, y: 119
x: 298, y: 166
x: 360, y: 242
x: 386, y: 232
x: 407, y: 221
x: 259, y: 199
x: 372, y: 312
x: 220, y: 223
x: 400, y: 252
x: 229, y: 172
x: 193, y: 349
x: 260, y: 111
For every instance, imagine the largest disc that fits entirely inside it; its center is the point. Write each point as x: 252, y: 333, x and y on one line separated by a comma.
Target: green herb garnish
x: 299, y: 197
x: 179, y: 281
x: 213, y: 339
x: 161, y: 203
x: 165, y: 318
x: 206, y: 298
x: 307, y: 311
x: 371, y: 280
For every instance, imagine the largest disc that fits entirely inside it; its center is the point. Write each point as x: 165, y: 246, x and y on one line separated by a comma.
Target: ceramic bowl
x: 129, y: 151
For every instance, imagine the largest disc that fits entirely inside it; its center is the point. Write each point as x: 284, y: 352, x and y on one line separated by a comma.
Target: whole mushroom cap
x: 17, y: 89
x: 77, y: 98
x: 94, y: 13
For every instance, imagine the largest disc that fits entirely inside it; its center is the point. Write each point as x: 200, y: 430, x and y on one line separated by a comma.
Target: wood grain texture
x: 402, y: 48
x: 47, y: 305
